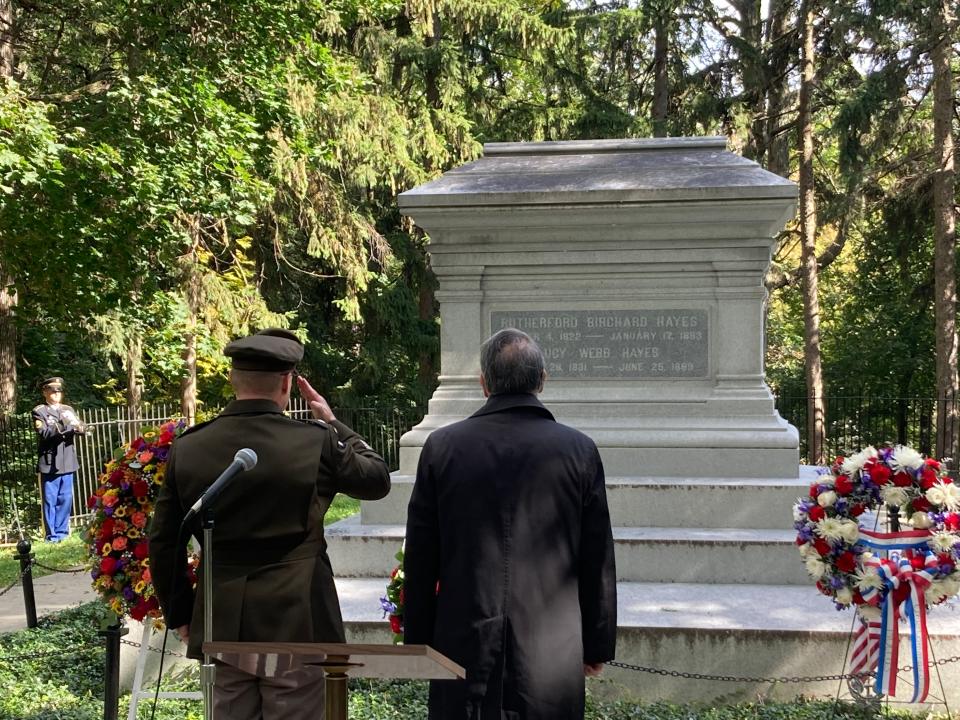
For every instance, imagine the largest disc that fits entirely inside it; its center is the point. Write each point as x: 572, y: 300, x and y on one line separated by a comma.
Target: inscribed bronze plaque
x: 616, y: 343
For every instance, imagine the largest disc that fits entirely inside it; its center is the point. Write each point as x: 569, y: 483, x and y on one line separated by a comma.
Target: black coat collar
x: 508, y: 401
x: 247, y: 407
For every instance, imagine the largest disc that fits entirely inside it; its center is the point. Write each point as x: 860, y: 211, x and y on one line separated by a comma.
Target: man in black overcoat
x: 272, y: 578
x: 509, y: 566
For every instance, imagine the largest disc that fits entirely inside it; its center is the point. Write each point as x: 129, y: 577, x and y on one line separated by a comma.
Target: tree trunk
x: 944, y: 233
x: 661, y: 88
x: 8, y: 296
x: 808, y: 233
x: 6, y: 39
x: 191, y: 292
x: 433, y: 61
x: 778, y: 53
x: 754, y: 75
x: 134, y: 391
x: 8, y: 347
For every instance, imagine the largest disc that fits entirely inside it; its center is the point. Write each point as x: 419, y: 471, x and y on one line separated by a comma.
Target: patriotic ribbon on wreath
x: 903, y: 598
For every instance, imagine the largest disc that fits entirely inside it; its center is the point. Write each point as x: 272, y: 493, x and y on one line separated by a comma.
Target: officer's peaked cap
x: 270, y: 350
x: 52, y: 383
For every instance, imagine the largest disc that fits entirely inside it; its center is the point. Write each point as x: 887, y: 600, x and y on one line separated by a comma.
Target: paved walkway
x: 52, y: 593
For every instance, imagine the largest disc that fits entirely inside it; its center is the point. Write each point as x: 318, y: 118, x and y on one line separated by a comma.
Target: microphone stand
x: 208, y: 670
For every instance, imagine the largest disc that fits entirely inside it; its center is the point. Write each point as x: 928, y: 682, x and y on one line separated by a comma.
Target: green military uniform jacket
x: 272, y: 577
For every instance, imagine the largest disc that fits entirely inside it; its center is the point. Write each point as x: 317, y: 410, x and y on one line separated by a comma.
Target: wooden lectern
x: 339, y: 662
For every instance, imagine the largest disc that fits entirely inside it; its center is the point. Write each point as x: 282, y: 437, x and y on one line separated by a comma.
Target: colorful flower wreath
x: 392, y: 602
x: 122, y: 507
x: 885, y: 575
x: 835, y: 547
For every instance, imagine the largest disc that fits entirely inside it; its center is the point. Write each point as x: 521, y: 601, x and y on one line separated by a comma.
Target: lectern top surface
x: 412, y: 662
x: 591, y: 171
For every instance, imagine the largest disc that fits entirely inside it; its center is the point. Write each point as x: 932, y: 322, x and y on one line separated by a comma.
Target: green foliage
x: 341, y: 507
x: 44, y: 681
x: 69, y: 554
x: 258, y: 147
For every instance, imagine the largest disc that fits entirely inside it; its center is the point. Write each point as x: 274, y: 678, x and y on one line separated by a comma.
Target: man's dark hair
x: 511, y: 362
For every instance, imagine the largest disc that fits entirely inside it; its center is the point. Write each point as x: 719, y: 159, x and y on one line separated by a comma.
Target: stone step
x: 757, y: 631
x: 709, y: 555
x: 659, y: 501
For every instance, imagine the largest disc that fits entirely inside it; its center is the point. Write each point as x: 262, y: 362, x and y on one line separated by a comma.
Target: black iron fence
x: 853, y: 422
x: 111, y: 428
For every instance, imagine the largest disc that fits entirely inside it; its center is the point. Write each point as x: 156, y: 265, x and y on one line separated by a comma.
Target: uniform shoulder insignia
x: 38, y: 408
x: 194, y: 428
x: 316, y: 422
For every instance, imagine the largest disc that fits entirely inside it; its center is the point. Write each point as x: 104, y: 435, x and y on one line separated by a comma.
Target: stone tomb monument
x: 638, y: 265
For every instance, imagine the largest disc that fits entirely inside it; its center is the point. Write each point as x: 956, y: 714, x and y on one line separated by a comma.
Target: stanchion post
x: 111, y: 668
x: 26, y: 580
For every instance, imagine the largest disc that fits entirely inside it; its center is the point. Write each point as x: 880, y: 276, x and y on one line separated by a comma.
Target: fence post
x: 111, y: 668
x: 26, y: 580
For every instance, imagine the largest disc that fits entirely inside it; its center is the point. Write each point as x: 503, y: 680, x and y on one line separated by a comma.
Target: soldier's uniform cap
x: 270, y: 350
x: 53, y: 383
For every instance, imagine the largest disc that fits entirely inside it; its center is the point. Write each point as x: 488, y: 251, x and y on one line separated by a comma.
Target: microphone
x: 245, y: 459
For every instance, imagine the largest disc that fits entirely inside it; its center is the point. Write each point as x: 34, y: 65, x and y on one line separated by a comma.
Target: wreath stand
x: 862, y: 691
x: 137, y: 692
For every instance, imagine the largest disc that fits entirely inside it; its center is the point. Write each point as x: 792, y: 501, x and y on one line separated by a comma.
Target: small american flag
x: 866, y: 647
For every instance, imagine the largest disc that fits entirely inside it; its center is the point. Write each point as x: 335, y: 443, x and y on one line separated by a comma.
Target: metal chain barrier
x: 16, y: 582
x: 39, y: 564
x: 153, y: 649
x: 76, y: 649
x: 762, y: 680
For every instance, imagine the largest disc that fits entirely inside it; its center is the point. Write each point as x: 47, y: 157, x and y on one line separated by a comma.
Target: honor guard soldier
x: 272, y: 578
x: 57, y: 426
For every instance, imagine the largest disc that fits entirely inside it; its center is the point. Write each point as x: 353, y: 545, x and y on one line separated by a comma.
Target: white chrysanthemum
x: 952, y: 493
x: 868, y: 578
x: 856, y: 461
x: 829, y: 528
x: 934, y: 592
x: 945, y: 494
x: 905, y: 458
x: 850, y: 532
x: 921, y: 521
x: 826, y: 499
x: 941, y: 542
x: 950, y: 586
x: 941, y: 589
x: 816, y: 567
x: 844, y: 596
x: 807, y: 550
x: 893, y: 495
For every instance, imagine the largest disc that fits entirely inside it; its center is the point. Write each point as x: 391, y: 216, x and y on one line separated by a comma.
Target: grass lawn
x: 68, y: 554
x: 341, y: 507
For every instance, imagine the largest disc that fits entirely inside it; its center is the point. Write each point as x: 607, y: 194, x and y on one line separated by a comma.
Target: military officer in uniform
x: 271, y: 574
x: 57, y: 426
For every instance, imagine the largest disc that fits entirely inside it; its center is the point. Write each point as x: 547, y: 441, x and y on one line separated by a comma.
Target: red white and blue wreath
x: 887, y: 576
